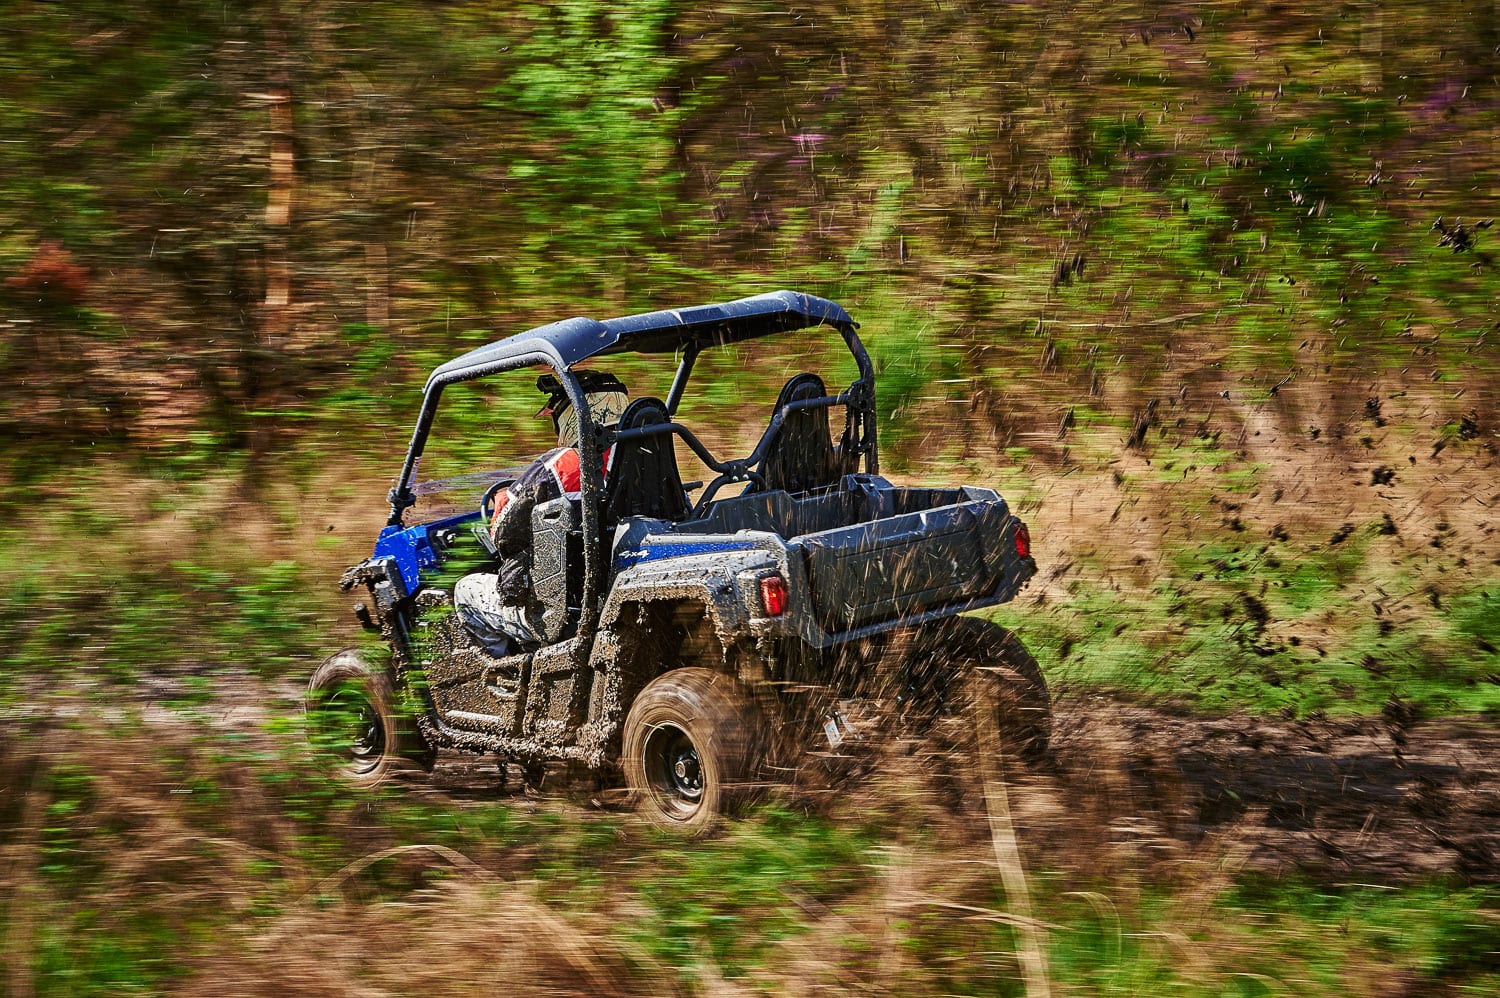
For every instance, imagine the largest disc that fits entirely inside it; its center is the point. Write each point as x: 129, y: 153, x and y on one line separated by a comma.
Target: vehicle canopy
x: 686, y: 331
x: 571, y: 341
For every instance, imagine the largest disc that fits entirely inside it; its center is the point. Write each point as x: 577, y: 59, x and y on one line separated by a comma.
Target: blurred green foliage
x: 1048, y: 217
x: 970, y: 173
x: 735, y: 898
x: 160, y: 877
x: 1437, y: 936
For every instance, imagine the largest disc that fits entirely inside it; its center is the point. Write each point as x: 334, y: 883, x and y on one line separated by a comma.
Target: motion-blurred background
x: 1208, y: 290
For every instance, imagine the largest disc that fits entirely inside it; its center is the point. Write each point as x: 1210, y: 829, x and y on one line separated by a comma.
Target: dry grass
x: 248, y: 876
x: 253, y: 909
x: 468, y: 935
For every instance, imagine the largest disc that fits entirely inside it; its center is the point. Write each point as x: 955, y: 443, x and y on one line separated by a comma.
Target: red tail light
x: 1023, y: 541
x: 773, y: 595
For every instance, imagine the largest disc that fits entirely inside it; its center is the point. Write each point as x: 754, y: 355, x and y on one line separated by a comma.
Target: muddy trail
x: 1383, y: 800
x: 1380, y: 800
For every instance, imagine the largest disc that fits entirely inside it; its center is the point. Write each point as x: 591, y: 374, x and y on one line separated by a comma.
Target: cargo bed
x: 872, y: 551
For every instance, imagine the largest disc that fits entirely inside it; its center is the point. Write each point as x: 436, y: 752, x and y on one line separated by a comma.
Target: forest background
x: 1208, y: 290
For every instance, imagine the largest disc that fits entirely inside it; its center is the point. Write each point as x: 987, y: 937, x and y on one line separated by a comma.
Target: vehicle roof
x: 570, y: 341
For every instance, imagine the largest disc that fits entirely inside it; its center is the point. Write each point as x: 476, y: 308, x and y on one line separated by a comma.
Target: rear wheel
x: 351, y: 716
x: 970, y: 666
x: 1007, y: 675
x: 691, y: 744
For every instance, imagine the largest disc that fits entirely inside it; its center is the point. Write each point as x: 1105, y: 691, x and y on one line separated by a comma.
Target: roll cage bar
x: 742, y: 469
x: 561, y: 345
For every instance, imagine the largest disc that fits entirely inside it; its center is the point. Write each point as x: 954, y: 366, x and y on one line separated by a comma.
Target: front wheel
x: 691, y: 744
x: 350, y: 712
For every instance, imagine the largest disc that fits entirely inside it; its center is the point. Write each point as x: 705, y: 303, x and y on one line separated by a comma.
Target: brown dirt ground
x: 1379, y: 800
x: 1373, y: 800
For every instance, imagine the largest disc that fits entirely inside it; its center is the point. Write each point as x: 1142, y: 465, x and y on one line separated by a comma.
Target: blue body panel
x: 658, y: 551
x: 411, y: 548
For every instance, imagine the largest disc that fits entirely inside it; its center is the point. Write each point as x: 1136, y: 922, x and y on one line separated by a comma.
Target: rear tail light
x: 773, y: 595
x: 1023, y: 541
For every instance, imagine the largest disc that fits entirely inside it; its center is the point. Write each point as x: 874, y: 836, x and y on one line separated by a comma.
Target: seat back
x: 802, y: 457
x: 643, y: 476
x: 556, y: 566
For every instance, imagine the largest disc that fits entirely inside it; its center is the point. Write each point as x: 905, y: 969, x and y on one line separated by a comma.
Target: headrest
x: 592, y: 382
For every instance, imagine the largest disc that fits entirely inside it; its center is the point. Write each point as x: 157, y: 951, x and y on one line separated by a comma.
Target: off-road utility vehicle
x: 698, y: 636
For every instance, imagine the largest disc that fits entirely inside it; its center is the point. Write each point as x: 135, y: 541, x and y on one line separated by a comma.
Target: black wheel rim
x: 355, y: 726
x: 674, y: 771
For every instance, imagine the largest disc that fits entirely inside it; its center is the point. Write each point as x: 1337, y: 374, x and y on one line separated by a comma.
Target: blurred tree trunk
x: 377, y: 279
x: 263, y: 376
x: 377, y: 286
x: 1372, y: 43
x: 275, y: 307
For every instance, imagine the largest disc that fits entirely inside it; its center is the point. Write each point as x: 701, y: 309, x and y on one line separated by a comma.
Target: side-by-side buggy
x: 698, y: 635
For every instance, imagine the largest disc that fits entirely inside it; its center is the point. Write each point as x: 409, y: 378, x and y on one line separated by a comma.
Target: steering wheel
x: 487, y: 500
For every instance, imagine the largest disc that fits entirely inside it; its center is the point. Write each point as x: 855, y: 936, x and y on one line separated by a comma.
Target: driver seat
x: 643, y: 478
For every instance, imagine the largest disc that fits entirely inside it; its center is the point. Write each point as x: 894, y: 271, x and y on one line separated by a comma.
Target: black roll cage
x: 559, y: 346
x: 743, y: 469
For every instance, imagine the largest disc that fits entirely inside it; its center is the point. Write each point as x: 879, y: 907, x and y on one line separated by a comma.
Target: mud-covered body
x: 857, y: 562
x: 793, y: 588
